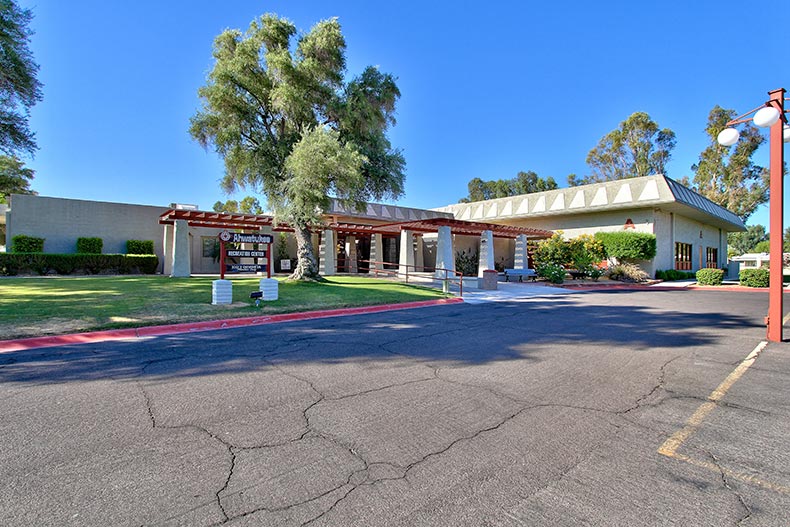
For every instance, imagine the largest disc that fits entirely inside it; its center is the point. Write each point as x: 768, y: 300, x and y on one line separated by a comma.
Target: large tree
x: 14, y: 178
x: 637, y: 148
x: 726, y: 174
x: 271, y: 102
x: 524, y: 183
x: 248, y: 205
x: 19, y: 87
x: 744, y: 242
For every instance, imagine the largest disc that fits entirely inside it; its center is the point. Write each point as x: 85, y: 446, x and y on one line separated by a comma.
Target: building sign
x: 246, y: 254
x: 238, y: 237
x: 245, y: 268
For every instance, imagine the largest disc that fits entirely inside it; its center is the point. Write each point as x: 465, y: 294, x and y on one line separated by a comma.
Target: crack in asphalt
x: 726, y: 483
x: 225, y: 444
x: 349, y: 486
x: 659, y: 385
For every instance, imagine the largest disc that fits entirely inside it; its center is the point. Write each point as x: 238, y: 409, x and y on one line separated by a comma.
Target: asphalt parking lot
x: 609, y: 408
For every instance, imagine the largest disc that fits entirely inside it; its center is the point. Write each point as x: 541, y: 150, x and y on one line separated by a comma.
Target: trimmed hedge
x: 672, y: 274
x: 140, y: 247
x: 710, y: 276
x: 89, y: 245
x: 754, y: 277
x: 42, y: 263
x: 628, y: 245
x: 27, y: 244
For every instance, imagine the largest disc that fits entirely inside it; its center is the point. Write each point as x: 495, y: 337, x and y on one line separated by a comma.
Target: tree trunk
x: 306, y: 265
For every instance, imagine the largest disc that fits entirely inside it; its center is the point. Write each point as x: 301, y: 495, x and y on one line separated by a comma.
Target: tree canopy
x: 637, y: 148
x: 19, y: 87
x: 248, y: 205
x: 744, y: 242
x: 726, y: 174
x: 14, y: 178
x: 273, y: 100
x: 524, y: 183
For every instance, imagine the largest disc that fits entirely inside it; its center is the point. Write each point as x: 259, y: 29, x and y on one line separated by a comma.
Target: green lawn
x: 50, y: 306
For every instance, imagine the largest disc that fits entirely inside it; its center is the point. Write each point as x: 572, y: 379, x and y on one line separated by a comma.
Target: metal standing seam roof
x: 692, y: 199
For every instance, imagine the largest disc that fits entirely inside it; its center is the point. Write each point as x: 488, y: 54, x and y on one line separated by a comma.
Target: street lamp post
x: 770, y: 115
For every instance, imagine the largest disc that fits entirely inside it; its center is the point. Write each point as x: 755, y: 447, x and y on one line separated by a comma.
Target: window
x: 711, y: 257
x: 682, y: 256
x: 210, y: 246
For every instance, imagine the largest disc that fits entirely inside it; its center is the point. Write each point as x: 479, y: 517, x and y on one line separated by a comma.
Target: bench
x: 521, y: 273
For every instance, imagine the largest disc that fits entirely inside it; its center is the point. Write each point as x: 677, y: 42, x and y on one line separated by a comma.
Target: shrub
x: 27, y: 244
x: 42, y: 263
x: 552, y: 251
x: 466, y: 263
x: 584, y: 252
x: 595, y: 272
x: 628, y: 245
x: 627, y: 272
x: 89, y: 245
x: 710, y: 276
x: 140, y: 247
x: 552, y: 272
x: 671, y: 275
x: 754, y: 277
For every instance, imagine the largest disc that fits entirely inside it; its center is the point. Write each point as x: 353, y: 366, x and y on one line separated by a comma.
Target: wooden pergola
x: 223, y: 220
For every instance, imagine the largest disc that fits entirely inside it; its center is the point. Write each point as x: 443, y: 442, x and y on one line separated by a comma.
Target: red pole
x: 221, y: 259
x: 269, y: 260
x: 776, y: 227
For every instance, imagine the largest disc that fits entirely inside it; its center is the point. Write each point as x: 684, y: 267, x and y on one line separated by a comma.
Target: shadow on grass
x: 444, y: 336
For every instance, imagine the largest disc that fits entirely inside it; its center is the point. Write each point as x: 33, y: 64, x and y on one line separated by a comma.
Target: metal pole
x: 776, y: 227
x: 222, y: 259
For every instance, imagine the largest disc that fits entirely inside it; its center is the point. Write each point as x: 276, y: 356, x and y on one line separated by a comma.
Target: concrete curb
x: 640, y: 287
x: 7, y: 346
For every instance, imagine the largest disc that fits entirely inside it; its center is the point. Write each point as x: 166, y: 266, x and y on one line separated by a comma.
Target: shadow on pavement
x: 450, y: 335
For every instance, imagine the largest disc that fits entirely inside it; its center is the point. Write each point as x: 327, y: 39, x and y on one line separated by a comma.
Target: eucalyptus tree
x: 726, y: 174
x: 278, y: 109
x: 14, y: 178
x: 20, y: 89
x: 638, y: 147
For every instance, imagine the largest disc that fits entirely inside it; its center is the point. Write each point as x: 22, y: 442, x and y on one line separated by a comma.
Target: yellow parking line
x: 747, y: 478
x: 671, y: 445
x: 785, y: 319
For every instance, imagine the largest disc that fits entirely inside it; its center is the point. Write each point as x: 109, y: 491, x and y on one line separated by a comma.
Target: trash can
x: 489, y: 280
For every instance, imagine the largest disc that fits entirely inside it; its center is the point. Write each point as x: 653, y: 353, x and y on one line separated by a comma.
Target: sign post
x: 237, y: 237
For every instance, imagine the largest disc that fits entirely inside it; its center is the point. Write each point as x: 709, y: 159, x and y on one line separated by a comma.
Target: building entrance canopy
x: 221, y: 220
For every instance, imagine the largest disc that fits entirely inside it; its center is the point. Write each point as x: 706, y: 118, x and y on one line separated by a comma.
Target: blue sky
x: 488, y: 88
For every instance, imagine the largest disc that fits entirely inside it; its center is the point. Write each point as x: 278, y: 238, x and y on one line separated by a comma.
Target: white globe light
x: 728, y: 137
x: 766, y: 117
x: 786, y: 134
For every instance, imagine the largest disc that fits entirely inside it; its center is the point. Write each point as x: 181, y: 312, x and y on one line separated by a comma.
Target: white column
x: 486, y: 260
x: 351, y: 254
x: 181, y: 264
x: 419, y: 254
x: 167, y: 249
x: 376, y: 251
x: 521, y: 259
x: 406, y: 257
x: 445, y: 255
x: 327, y: 265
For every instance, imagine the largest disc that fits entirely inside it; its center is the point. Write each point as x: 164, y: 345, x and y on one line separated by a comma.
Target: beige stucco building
x: 691, y: 231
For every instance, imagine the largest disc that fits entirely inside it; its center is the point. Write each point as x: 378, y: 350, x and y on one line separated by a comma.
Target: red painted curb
x: 208, y: 325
